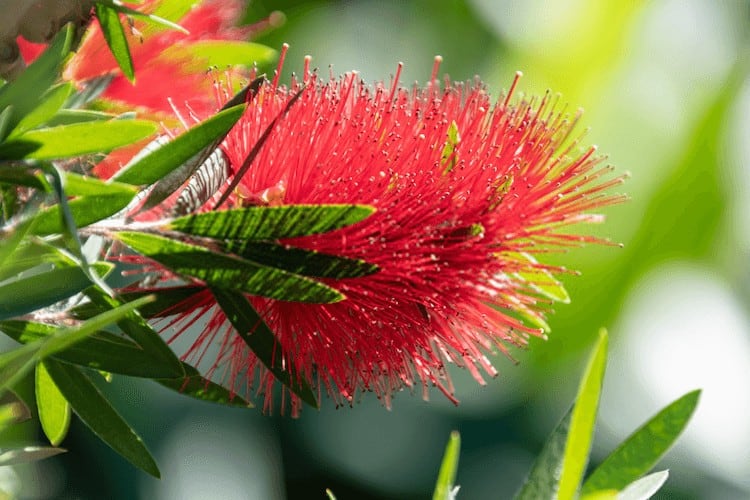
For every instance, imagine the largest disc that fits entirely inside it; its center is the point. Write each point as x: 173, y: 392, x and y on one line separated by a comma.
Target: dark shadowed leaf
x: 102, y: 351
x: 199, y: 387
x: 299, y: 260
x: 642, y: 449
x: 163, y: 305
x: 138, y: 329
x: 114, y: 34
x: 268, y: 223
x: 448, y: 469
x: 261, y: 340
x: 99, y: 415
x: 25, y: 295
x: 228, y: 272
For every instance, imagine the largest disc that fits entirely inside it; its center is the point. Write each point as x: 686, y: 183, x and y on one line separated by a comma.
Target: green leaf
x: 70, y: 116
x: 198, y: 387
x: 163, y: 305
x: 84, y: 210
x: 299, y: 260
x: 330, y: 494
x: 77, y: 139
x: 223, y: 53
x: 544, y: 477
x: 147, y: 17
x: 84, y: 185
x: 28, y: 454
x: 259, y: 337
x: 138, y: 329
x: 642, y: 449
x: 26, y: 295
x: 54, y: 410
x: 101, y: 351
x: 578, y: 444
x: 25, y: 92
x: 448, y: 469
x: 114, y: 34
x: 228, y: 272
x: 160, y: 162
x: 644, y: 488
x: 268, y: 223
x: 52, y: 101
x: 99, y: 415
x: 10, y: 242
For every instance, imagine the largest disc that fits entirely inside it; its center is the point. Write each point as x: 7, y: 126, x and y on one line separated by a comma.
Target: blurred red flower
x: 160, y: 64
x: 465, y: 191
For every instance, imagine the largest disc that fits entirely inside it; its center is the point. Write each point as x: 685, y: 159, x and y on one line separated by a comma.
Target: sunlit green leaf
x: 84, y: 210
x: 268, y: 223
x: 152, y: 18
x: 114, y: 35
x: 25, y: 92
x: 448, y: 469
x: 199, y: 387
x: 160, y: 162
x: 13, y: 409
x: 77, y: 139
x: 578, y: 444
x: 53, y: 409
x: 228, y: 272
x: 259, y: 337
x: 642, y: 449
x: 51, y: 102
x: 544, y: 477
x: 70, y: 116
x: 99, y: 415
x: 84, y: 185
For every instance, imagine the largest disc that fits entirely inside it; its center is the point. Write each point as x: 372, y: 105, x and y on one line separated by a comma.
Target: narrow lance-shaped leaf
x: 448, y: 469
x: 28, y: 454
x: 99, y: 415
x: 269, y: 223
x: 198, y: 387
x: 53, y: 409
x: 170, y: 156
x: 578, y: 444
x: 134, y: 326
x: 26, y: 295
x: 300, y: 260
x: 544, y: 477
x: 102, y: 351
x: 114, y: 35
x: 228, y: 272
x: 23, y: 94
x: 642, y: 449
x: 51, y: 102
x: 77, y: 139
x: 84, y: 210
x: 259, y: 337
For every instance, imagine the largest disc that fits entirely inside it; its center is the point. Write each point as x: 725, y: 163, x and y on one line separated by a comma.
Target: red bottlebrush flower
x: 465, y: 191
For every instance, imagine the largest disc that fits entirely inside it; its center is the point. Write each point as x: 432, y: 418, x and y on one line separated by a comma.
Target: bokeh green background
x: 665, y: 88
